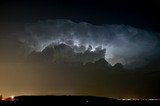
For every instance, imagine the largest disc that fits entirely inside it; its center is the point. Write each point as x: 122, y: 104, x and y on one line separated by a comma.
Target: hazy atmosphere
x: 79, y: 48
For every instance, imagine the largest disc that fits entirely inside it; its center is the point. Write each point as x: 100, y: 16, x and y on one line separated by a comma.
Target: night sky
x: 82, y: 47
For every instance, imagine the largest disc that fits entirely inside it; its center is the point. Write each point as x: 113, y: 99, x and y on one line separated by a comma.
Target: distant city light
x: 139, y: 99
x: 12, y: 97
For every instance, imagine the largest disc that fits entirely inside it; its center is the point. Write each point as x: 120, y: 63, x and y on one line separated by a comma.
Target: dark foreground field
x: 73, y: 100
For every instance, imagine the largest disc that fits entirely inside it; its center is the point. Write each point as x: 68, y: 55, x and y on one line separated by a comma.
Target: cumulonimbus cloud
x: 124, y: 44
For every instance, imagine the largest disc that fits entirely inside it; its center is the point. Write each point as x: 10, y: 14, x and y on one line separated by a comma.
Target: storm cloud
x: 122, y: 44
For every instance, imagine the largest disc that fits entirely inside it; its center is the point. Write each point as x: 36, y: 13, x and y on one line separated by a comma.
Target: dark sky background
x: 135, y: 13
x: 80, y: 47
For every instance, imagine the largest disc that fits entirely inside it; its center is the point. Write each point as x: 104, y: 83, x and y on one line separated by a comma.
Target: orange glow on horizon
x: 11, y: 98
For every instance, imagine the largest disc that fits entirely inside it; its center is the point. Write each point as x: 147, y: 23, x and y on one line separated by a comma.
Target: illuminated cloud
x: 64, y: 53
x: 123, y: 44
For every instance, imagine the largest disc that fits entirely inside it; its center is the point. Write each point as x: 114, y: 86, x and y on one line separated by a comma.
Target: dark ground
x: 73, y: 100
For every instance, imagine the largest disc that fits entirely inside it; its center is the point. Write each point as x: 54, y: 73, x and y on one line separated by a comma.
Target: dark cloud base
x: 100, y: 79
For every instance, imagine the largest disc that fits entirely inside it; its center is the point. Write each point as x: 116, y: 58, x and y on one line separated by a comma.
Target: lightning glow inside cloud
x: 123, y: 44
